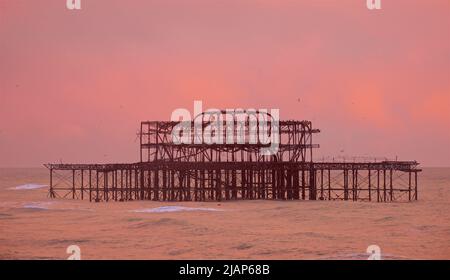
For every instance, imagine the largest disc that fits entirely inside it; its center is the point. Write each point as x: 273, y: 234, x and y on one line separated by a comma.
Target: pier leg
x: 73, y: 183
x: 415, y: 185
x: 303, y: 184
x: 345, y: 184
x: 90, y: 185
x: 391, y: 188
x: 82, y: 184
x: 329, y: 184
x: 52, y: 192
x: 312, y: 184
x: 97, y: 199
x: 370, y: 186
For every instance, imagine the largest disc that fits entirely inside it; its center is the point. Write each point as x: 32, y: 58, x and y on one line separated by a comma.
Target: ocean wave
x: 168, y: 209
x: 29, y: 187
x: 37, y: 205
x: 362, y: 256
x: 48, y: 205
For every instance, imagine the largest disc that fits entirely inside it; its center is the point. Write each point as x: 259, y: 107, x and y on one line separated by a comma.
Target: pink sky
x: 74, y: 85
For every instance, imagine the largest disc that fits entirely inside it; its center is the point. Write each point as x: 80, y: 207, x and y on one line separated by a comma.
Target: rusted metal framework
x: 169, y: 171
x: 156, y: 145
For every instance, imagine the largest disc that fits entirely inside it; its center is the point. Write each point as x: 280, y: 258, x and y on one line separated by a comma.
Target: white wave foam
x: 37, y: 205
x: 43, y: 205
x: 167, y: 209
x: 362, y: 256
x: 29, y: 187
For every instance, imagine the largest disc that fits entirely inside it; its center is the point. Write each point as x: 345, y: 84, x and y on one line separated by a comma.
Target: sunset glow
x: 376, y: 82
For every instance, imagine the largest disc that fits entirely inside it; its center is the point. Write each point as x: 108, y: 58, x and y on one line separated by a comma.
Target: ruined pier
x: 169, y: 171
